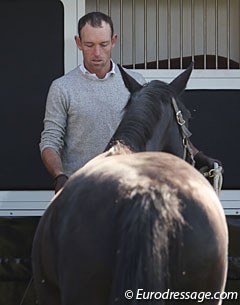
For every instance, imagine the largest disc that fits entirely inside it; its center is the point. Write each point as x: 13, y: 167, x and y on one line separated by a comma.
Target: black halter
x: 188, y: 152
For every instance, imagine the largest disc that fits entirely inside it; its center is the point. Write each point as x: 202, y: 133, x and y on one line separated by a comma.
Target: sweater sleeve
x: 55, y: 120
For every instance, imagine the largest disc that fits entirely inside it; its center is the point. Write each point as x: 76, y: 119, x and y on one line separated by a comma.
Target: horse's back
x: 106, y: 216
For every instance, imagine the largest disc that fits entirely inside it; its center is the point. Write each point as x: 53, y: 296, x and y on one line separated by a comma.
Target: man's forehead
x: 90, y: 33
x: 103, y: 25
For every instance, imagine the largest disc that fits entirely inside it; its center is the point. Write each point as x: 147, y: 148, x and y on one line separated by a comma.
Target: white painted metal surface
x: 24, y: 203
x: 34, y: 203
x: 200, y: 79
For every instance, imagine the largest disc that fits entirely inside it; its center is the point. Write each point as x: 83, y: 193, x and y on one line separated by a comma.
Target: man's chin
x: 97, y: 64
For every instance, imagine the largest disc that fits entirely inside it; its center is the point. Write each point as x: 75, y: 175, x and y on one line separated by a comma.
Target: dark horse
x: 133, y: 220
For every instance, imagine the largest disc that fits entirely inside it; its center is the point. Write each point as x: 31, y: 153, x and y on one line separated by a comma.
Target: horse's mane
x: 143, y: 111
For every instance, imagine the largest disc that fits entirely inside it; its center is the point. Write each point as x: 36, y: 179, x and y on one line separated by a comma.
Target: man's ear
x: 114, y: 40
x: 78, y: 42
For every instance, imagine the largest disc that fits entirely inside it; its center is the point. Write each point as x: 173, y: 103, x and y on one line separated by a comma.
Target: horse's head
x: 149, y: 121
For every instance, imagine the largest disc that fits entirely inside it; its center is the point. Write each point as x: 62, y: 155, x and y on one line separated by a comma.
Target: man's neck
x: 101, y: 74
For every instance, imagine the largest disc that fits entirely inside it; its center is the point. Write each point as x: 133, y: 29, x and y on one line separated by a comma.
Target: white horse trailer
x: 157, y: 37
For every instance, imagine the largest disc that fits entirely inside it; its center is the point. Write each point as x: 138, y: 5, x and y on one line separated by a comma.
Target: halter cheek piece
x: 188, y: 152
x: 216, y: 172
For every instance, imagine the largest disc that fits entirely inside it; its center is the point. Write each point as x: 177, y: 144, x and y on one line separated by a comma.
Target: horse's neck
x: 137, y: 142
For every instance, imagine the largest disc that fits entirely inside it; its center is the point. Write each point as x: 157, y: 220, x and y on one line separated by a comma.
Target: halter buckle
x: 180, y: 119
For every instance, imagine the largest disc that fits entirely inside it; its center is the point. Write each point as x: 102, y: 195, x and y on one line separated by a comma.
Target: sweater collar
x: 93, y: 75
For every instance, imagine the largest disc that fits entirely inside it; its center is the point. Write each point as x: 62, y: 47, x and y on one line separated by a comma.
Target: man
x: 84, y: 106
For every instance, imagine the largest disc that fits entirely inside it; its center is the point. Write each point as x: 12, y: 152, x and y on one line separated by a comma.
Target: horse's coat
x: 126, y: 220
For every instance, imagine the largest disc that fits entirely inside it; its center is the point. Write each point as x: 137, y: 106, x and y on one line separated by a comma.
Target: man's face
x: 96, y: 45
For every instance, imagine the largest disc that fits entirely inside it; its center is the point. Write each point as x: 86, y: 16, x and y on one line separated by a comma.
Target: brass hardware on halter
x: 179, y: 117
x: 210, y: 174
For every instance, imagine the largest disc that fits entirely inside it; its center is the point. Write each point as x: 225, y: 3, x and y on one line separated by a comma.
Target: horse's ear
x: 180, y: 82
x: 131, y: 84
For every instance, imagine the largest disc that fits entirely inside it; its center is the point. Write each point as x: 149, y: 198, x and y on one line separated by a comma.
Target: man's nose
x: 97, y: 50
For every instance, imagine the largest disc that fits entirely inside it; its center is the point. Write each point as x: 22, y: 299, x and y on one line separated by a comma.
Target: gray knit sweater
x: 82, y: 114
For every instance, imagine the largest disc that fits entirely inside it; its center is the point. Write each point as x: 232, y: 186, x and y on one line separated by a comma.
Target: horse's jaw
x: 164, y: 139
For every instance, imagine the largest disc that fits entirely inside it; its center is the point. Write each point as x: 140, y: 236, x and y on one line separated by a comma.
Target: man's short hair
x: 95, y: 19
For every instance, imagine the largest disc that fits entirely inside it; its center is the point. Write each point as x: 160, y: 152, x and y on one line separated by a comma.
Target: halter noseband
x: 185, y: 133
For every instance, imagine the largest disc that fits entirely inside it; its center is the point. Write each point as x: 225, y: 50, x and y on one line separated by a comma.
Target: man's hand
x: 203, y: 161
x: 204, y: 164
x: 59, y: 182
